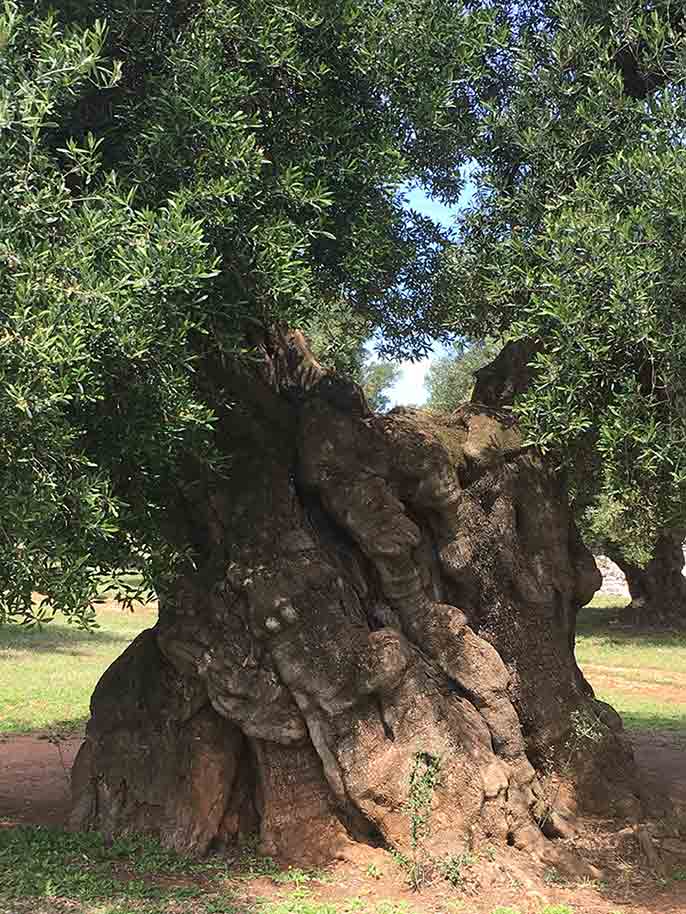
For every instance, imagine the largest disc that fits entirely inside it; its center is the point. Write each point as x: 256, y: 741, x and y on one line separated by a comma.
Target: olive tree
x: 339, y: 591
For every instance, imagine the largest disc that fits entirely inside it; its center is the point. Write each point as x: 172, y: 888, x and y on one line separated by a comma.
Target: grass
x: 135, y: 874
x: 641, y: 674
x: 548, y: 909
x: 43, y: 863
x: 47, y: 674
x: 45, y: 871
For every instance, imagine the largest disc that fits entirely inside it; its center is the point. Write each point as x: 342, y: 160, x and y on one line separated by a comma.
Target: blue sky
x: 445, y: 215
x: 409, y: 389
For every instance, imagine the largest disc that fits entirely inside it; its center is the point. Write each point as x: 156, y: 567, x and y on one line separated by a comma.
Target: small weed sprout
x: 452, y: 868
x: 402, y: 861
x: 585, y: 726
x: 373, y: 871
x: 424, y: 778
x: 552, y: 877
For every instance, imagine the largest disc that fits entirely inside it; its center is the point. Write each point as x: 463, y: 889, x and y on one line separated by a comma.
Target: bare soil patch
x: 34, y: 780
x: 661, y: 759
x: 666, y: 694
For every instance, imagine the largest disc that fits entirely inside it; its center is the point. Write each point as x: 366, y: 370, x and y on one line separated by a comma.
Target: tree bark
x: 658, y: 591
x: 370, y: 587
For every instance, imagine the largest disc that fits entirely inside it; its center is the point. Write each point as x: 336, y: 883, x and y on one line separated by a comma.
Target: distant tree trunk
x: 371, y: 587
x: 658, y: 591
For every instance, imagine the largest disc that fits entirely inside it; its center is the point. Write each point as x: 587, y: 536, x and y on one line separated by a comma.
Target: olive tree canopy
x: 571, y: 248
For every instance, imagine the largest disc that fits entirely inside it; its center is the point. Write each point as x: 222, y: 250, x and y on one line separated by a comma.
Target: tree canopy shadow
x: 604, y: 621
x: 60, y: 640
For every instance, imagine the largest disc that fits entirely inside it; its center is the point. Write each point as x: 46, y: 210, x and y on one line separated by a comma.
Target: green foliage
x: 97, y: 297
x: 571, y: 242
x: 337, y: 338
x: 607, y: 520
x: 376, y: 380
x: 450, y: 378
x: 174, y: 180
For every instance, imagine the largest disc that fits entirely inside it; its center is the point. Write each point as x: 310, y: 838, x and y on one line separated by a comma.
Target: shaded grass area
x: 48, y: 674
x: 641, y: 673
x: 54, y: 871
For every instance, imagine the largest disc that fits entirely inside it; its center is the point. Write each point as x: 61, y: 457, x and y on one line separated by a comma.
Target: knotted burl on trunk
x: 373, y: 587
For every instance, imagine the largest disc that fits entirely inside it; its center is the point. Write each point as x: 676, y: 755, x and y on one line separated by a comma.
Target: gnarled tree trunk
x: 372, y: 587
x: 658, y: 591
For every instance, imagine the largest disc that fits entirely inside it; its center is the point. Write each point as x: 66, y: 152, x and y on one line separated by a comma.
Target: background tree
x: 376, y: 380
x: 450, y: 378
x: 568, y: 250
x: 339, y: 338
x: 653, y: 571
x: 338, y: 590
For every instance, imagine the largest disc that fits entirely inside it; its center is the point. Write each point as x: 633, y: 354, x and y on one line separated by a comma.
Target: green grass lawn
x: 47, y: 675
x: 642, y: 674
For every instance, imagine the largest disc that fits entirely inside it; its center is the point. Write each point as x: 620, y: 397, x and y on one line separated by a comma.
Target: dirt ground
x: 34, y: 791
x: 661, y: 759
x: 34, y: 780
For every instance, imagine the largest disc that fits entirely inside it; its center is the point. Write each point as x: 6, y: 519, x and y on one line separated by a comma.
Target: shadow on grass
x: 62, y: 640
x: 673, y: 719
x: 603, y: 621
x: 71, y: 728
x: 53, y: 870
x: 44, y: 863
